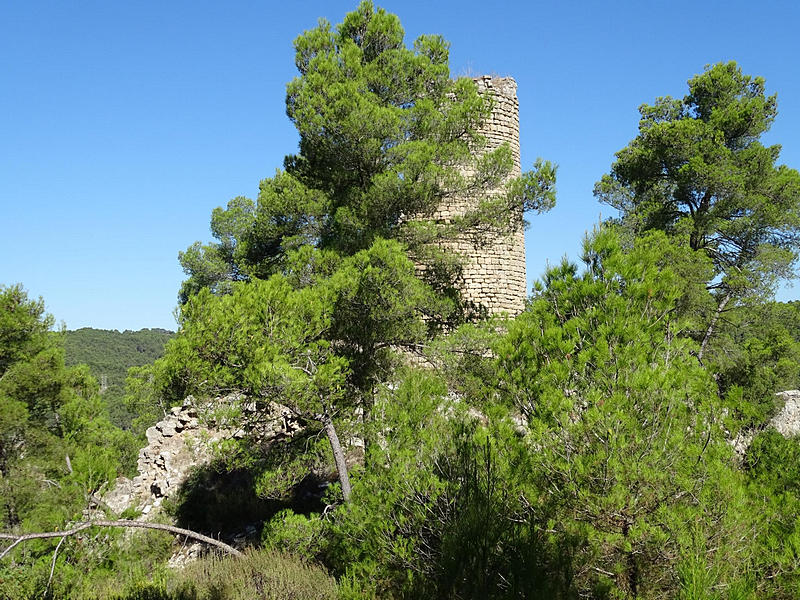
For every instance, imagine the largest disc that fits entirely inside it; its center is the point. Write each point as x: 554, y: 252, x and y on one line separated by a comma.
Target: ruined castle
x: 493, y: 277
x: 494, y: 273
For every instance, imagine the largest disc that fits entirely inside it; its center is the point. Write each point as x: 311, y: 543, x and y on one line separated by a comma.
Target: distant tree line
x: 109, y: 354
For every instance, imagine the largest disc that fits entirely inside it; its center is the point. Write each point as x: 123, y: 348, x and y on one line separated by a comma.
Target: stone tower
x: 494, y: 273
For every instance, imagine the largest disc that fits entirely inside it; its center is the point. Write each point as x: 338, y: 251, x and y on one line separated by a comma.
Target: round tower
x: 494, y: 272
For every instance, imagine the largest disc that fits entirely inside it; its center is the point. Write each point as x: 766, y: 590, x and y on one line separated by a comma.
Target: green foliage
x: 316, y: 348
x: 464, y: 358
x: 299, y: 534
x: 89, y: 566
x: 58, y: 448
x: 265, y: 339
x: 380, y: 126
x: 755, y: 355
x: 292, y: 470
x: 627, y: 464
x: 259, y: 575
x: 24, y: 327
x: 271, y: 340
x: 697, y: 167
x: 385, y: 134
x: 429, y: 512
x: 774, y: 462
x: 379, y: 304
x: 698, y: 171
x: 621, y: 483
x: 773, y: 469
x: 577, y: 451
x: 440, y: 508
x: 381, y: 535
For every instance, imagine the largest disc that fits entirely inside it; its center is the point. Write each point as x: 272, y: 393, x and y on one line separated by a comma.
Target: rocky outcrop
x: 185, y: 439
x: 786, y: 422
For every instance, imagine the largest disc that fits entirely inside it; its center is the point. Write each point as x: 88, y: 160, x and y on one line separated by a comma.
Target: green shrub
x: 295, y: 533
x: 774, y: 462
x: 261, y: 575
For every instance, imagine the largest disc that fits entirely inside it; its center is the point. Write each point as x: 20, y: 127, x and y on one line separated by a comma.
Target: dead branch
x: 53, y: 566
x: 18, y: 539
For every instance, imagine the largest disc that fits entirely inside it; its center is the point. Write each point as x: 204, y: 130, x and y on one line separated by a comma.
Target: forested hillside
x: 109, y: 354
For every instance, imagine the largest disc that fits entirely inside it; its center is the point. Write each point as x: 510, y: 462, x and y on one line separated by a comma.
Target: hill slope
x: 109, y: 354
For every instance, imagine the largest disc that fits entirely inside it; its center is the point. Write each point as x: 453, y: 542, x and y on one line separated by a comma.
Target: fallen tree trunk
x: 18, y: 539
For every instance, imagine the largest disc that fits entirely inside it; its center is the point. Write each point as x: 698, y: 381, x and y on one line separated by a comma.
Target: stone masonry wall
x: 181, y: 442
x: 494, y: 273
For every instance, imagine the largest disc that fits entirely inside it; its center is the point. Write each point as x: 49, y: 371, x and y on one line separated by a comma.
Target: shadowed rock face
x: 179, y: 444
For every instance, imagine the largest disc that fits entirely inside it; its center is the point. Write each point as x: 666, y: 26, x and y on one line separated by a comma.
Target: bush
x: 262, y: 575
x: 259, y: 575
x: 296, y: 533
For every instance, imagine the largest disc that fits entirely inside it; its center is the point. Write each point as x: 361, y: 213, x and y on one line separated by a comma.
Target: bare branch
x: 53, y: 566
x: 118, y: 523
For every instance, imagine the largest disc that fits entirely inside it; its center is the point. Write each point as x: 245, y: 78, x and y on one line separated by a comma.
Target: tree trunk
x: 338, y: 457
x: 710, y: 330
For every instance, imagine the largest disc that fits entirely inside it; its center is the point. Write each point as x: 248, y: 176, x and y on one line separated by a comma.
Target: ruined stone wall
x: 181, y: 442
x: 494, y: 273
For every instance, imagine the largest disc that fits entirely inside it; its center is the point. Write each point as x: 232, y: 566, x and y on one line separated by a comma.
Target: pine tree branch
x: 118, y: 523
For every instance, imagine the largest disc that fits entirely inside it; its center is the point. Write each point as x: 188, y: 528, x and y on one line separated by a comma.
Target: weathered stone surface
x: 186, y: 554
x: 122, y: 495
x: 153, y: 434
x: 179, y: 443
x: 494, y: 273
x: 786, y: 422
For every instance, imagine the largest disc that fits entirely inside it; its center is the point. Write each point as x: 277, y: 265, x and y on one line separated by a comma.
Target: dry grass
x: 259, y: 575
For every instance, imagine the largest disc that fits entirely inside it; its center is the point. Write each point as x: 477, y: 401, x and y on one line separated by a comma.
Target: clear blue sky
x: 123, y: 124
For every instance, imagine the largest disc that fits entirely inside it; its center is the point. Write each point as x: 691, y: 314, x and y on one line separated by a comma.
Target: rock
x: 122, y: 498
x: 178, y: 444
x: 520, y: 424
x: 152, y: 434
x: 167, y: 428
x: 474, y: 413
x: 786, y: 422
x: 187, y: 554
